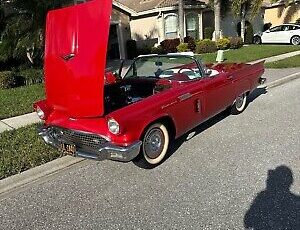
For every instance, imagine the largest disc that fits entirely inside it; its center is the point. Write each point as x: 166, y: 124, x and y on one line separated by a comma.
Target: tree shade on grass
x: 23, y: 149
x: 18, y: 101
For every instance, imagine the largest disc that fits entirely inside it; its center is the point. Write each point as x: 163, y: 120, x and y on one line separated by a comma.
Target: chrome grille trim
x: 82, y: 140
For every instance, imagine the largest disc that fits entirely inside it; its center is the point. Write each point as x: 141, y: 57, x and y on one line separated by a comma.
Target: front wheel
x: 240, y: 104
x: 154, y: 147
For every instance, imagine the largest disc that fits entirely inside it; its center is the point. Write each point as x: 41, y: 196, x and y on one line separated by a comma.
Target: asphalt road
x: 209, y: 182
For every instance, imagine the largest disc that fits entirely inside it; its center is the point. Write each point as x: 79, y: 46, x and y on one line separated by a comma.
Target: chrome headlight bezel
x: 40, y: 113
x: 113, y: 126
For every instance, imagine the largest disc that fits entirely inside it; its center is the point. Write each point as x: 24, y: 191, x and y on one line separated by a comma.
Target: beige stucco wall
x: 145, y: 28
x: 282, y: 14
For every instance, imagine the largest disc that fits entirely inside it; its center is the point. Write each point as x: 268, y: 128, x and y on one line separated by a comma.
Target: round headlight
x: 40, y: 113
x: 113, y: 126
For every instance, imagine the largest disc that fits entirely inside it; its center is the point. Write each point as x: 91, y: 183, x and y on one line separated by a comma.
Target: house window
x: 192, y: 25
x: 171, y: 26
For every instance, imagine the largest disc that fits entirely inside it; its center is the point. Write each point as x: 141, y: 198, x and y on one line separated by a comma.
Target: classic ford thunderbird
x: 98, y: 115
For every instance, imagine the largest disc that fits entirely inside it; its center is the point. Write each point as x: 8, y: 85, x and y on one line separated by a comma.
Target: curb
x: 32, y: 175
x: 281, y: 81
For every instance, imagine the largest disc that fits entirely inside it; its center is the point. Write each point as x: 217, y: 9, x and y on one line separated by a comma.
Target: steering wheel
x: 186, y: 68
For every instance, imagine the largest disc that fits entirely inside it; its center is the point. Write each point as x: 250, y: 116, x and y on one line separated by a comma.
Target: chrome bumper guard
x: 107, y: 151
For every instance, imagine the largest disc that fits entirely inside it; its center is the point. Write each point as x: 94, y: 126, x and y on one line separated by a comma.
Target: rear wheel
x: 240, y: 104
x: 154, y: 147
x: 295, y: 40
x: 257, y: 40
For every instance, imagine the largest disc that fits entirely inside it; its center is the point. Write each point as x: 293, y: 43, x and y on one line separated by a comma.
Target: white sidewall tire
x: 165, y: 148
x: 242, y: 107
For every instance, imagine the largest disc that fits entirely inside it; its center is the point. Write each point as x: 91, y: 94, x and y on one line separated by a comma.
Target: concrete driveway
x: 209, y: 182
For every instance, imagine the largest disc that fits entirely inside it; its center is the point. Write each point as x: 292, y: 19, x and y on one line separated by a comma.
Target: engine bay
x: 129, y: 91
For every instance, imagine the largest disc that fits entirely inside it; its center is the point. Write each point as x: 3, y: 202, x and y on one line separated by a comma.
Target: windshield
x: 180, y: 68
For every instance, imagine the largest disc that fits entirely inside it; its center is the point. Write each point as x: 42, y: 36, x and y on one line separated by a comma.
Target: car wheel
x: 295, y: 40
x: 240, y: 104
x: 257, y: 40
x: 154, y: 147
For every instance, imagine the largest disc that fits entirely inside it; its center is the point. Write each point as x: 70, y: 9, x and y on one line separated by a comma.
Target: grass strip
x: 250, y: 53
x: 291, y: 62
x: 23, y: 149
x: 18, y: 101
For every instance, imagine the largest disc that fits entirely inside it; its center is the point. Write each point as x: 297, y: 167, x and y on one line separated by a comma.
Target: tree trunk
x: 217, y: 8
x: 243, y: 22
x: 181, y: 20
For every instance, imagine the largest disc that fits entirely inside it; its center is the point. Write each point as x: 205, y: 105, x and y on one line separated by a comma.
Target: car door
x: 285, y: 34
x: 219, y: 93
x: 272, y: 35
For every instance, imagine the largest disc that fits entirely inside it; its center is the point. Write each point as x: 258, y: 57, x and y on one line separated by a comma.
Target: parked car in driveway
x: 286, y: 33
x: 97, y: 115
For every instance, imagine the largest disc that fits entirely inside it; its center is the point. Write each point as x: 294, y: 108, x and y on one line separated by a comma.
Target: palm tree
x: 181, y: 19
x: 217, y: 9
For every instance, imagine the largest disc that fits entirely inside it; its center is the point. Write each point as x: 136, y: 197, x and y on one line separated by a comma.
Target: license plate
x: 68, y: 149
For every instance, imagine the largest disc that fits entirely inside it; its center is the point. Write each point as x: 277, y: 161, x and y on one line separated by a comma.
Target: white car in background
x: 286, y: 33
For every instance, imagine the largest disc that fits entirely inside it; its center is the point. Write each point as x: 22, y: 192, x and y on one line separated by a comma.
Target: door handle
x: 68, y: 57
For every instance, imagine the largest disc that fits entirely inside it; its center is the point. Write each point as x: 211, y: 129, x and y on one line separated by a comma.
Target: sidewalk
x: 18, y: 122
x: 32, y: 118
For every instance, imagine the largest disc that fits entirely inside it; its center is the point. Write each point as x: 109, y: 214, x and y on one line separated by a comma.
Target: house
x: 280, y: 12
x: 152, y: 21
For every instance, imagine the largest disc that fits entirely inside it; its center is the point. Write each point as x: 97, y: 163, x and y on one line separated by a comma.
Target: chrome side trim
x: 185, y: 96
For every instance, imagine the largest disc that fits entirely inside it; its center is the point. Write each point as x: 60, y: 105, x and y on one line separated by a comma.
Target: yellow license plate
x: 68, y: 149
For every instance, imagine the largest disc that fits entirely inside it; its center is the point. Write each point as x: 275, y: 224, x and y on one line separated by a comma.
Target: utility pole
x: 181, y: 19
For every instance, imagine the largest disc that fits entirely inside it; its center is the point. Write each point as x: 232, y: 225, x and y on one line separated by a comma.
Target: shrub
x: 249, y: 34
x: 298, y: 21
x: 267, y: 26
x: 191, y: 43
x: 31, y: 76
x: 144, y: 50
x: 7, y: 80
x: 183, y: 47
x: 208, y: 32
x: 157, y: 50
x: 236, y: 42
x: 131, y: 49
x: 223, y: 44
x: 206, y: 46
x: 170, y: 45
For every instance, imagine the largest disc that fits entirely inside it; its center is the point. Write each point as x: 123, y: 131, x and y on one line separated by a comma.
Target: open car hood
x: 75, y: 58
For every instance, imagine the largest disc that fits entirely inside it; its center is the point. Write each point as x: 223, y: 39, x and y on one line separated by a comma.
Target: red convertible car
x: 93, y: 114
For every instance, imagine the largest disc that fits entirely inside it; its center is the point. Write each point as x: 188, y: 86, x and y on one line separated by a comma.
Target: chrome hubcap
x: 154, y: 143
x: 240, y: 101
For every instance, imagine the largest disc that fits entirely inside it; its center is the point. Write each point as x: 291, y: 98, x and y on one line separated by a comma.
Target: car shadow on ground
x: 275, y: 207
x: 175, y: 145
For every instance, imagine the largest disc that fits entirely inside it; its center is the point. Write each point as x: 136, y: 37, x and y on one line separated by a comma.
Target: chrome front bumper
x: 106, y: 151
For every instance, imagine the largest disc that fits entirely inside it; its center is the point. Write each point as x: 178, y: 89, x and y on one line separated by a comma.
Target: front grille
x: 82, y: 140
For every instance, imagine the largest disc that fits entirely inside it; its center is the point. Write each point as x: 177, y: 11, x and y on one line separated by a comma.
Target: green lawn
x: 18, y: 101
x: 285, y: 63
x: 251, y: 53
x: 23, y: 149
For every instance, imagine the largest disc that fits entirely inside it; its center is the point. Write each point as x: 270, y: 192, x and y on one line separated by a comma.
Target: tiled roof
x: 144, y: 5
